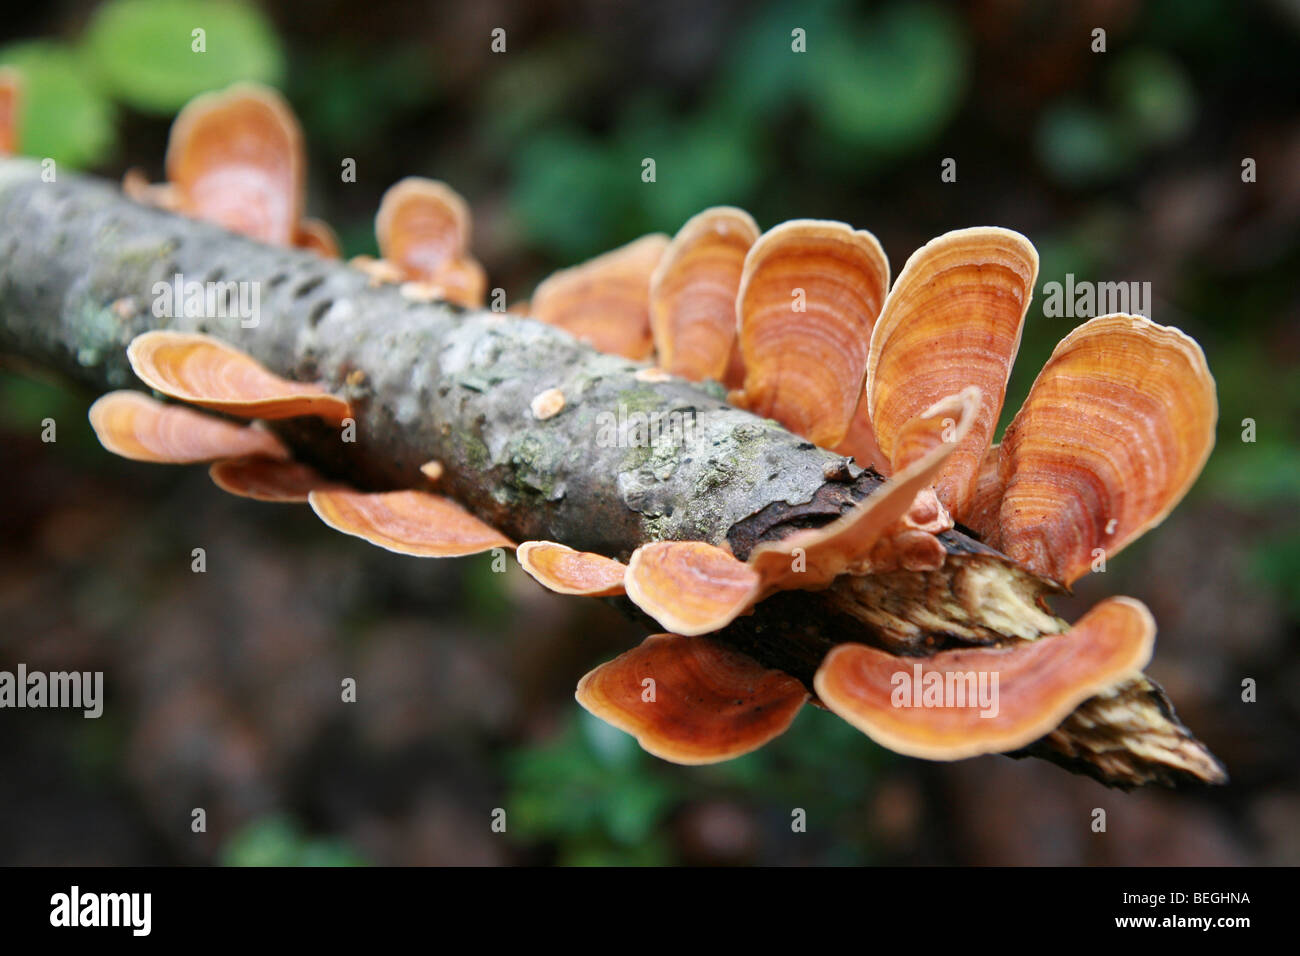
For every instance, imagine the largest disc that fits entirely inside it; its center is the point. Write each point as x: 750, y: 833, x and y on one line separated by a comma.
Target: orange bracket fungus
x: 808, y: 298
x: 693, y: 296
x: 408, y: 522
x: 566, y: 571
x: 692, y: 700
x: 423, y: 229
x: 236, y: 158
x: 10, y: 110
x: 963, y: 703
x: 605, y: 301
x: 690, y: 586
x: 268, y: 479
x: 953, y: 319
x: 205, y: 371
x: 1115, y: 429
x: 138, y: 427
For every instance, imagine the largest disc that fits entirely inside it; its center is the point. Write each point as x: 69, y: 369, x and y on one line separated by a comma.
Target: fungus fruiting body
x: 565, y: 571
x: 205, y: 371
x: 692, y: 700
x: 138, y: 427
x: 423, y: 230
x: 10, y: 109
x: 605, y: 302
x: 235, y: 157
x: 802, y: 324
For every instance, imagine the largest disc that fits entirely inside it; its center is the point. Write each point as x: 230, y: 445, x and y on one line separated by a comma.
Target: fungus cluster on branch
x: 802, y: 325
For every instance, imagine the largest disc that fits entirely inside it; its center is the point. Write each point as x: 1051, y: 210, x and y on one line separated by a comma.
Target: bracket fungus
x: 1115, y: 429
x: 202, y: 370
x: 692, y: 700
x: 808, y: 299
x: 910, y: 380
x: 235, y: 157
x: 409, y: 522
x: 11, y: 101
x: 972, y: 701
x: 952, y: 319
x: 423, y: 229
x: 141, y: 428
x: 563, y: 570
x: 268, y: 479
x: 693, y: 296
x: 605, y: 301
x: 690, y: 587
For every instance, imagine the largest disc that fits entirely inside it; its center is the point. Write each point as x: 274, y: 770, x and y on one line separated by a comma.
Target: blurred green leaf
x: 1081, y: 145
x: 277, y: 840
x: 144, y: 49
x: 893, y: 84
x: 571, y: 194
x: 1154, y: 96
x: 64, y: 115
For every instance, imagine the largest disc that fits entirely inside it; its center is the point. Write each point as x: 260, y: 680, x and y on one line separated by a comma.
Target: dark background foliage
x: 223, y: 687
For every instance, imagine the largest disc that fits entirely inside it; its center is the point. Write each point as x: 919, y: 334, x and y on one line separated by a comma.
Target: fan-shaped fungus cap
x: 236, y: 158
x: 422, y: 224
x: 268, y: 479
x: 982, y: 512
x: 690, y: 587
x: 136, y: 426
x: 964, y: 703
x: 953, y: 318
x: 565, y: 571
x: 10, y: 107
x: 693, y: 293
x: 1114, y: 432
x: 847, y: 542
x: 205, y: 371
x: 605, y: 301
x: 408, y: 522
x: 316, y: 235
x: 692, y: 700
x: 809, y: 296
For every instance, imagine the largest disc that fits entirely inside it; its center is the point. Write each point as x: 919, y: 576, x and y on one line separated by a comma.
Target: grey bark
x: 79, y: 265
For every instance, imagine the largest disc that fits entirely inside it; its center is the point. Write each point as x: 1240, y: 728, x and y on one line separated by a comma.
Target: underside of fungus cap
x: 422, y: 225
x: 809, y: 296
x: 1114, y: 432
x: 693, y: 293
x: 953, y: 318
x: 141, y: 428
x: 268, y: 479
x: 813, y: 558
x: 692, y: 700
x: 205, y: 371
x: 964, y: 703
x: 982, y: 511
x: 565, y: 571
x: 236, y: 158
x: 408, y: 522
x: 691, y: 587
x: 605, y: 301
x: 10, y: 106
